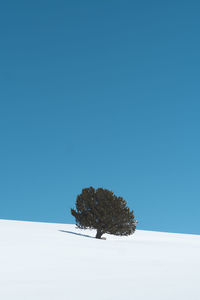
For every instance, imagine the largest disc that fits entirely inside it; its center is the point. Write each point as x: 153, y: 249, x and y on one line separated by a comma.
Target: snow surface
x: 40, y: 261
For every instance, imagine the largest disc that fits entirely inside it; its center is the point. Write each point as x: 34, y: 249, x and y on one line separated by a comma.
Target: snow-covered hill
x: 42, y: 261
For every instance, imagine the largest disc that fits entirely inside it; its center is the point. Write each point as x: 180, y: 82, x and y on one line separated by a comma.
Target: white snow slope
x: 43, y: 261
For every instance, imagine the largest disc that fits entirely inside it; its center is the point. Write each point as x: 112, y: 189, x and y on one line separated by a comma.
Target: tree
x: 100, y: 209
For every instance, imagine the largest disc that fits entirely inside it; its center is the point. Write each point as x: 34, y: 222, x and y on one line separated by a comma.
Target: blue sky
x: 101, y: 93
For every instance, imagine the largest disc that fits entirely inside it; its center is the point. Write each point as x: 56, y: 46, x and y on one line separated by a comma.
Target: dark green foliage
x: 100, y: 209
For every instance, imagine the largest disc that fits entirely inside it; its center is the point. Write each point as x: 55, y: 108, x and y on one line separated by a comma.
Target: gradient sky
x: 101, y: 93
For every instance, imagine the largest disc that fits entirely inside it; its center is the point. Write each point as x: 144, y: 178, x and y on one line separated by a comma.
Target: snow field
x: 43, y: 261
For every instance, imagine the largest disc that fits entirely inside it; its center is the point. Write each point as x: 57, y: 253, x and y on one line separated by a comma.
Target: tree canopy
x: 100, y: 209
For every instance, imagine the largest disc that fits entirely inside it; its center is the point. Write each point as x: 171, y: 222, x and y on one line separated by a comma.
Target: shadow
x: 75, y: 233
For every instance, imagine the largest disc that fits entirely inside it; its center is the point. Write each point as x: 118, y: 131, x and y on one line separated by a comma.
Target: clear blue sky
x: 101, y: 93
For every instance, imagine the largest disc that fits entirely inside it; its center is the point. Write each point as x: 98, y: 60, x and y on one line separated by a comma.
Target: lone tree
x: 100, y: 209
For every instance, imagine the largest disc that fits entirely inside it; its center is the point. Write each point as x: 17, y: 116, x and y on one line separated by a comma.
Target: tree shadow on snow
x: 80, y: 234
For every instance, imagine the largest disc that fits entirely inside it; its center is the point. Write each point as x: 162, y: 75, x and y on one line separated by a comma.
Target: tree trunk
x: 99, y: 234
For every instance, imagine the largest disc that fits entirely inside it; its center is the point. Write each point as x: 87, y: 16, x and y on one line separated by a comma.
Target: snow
x: 40, y: 261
